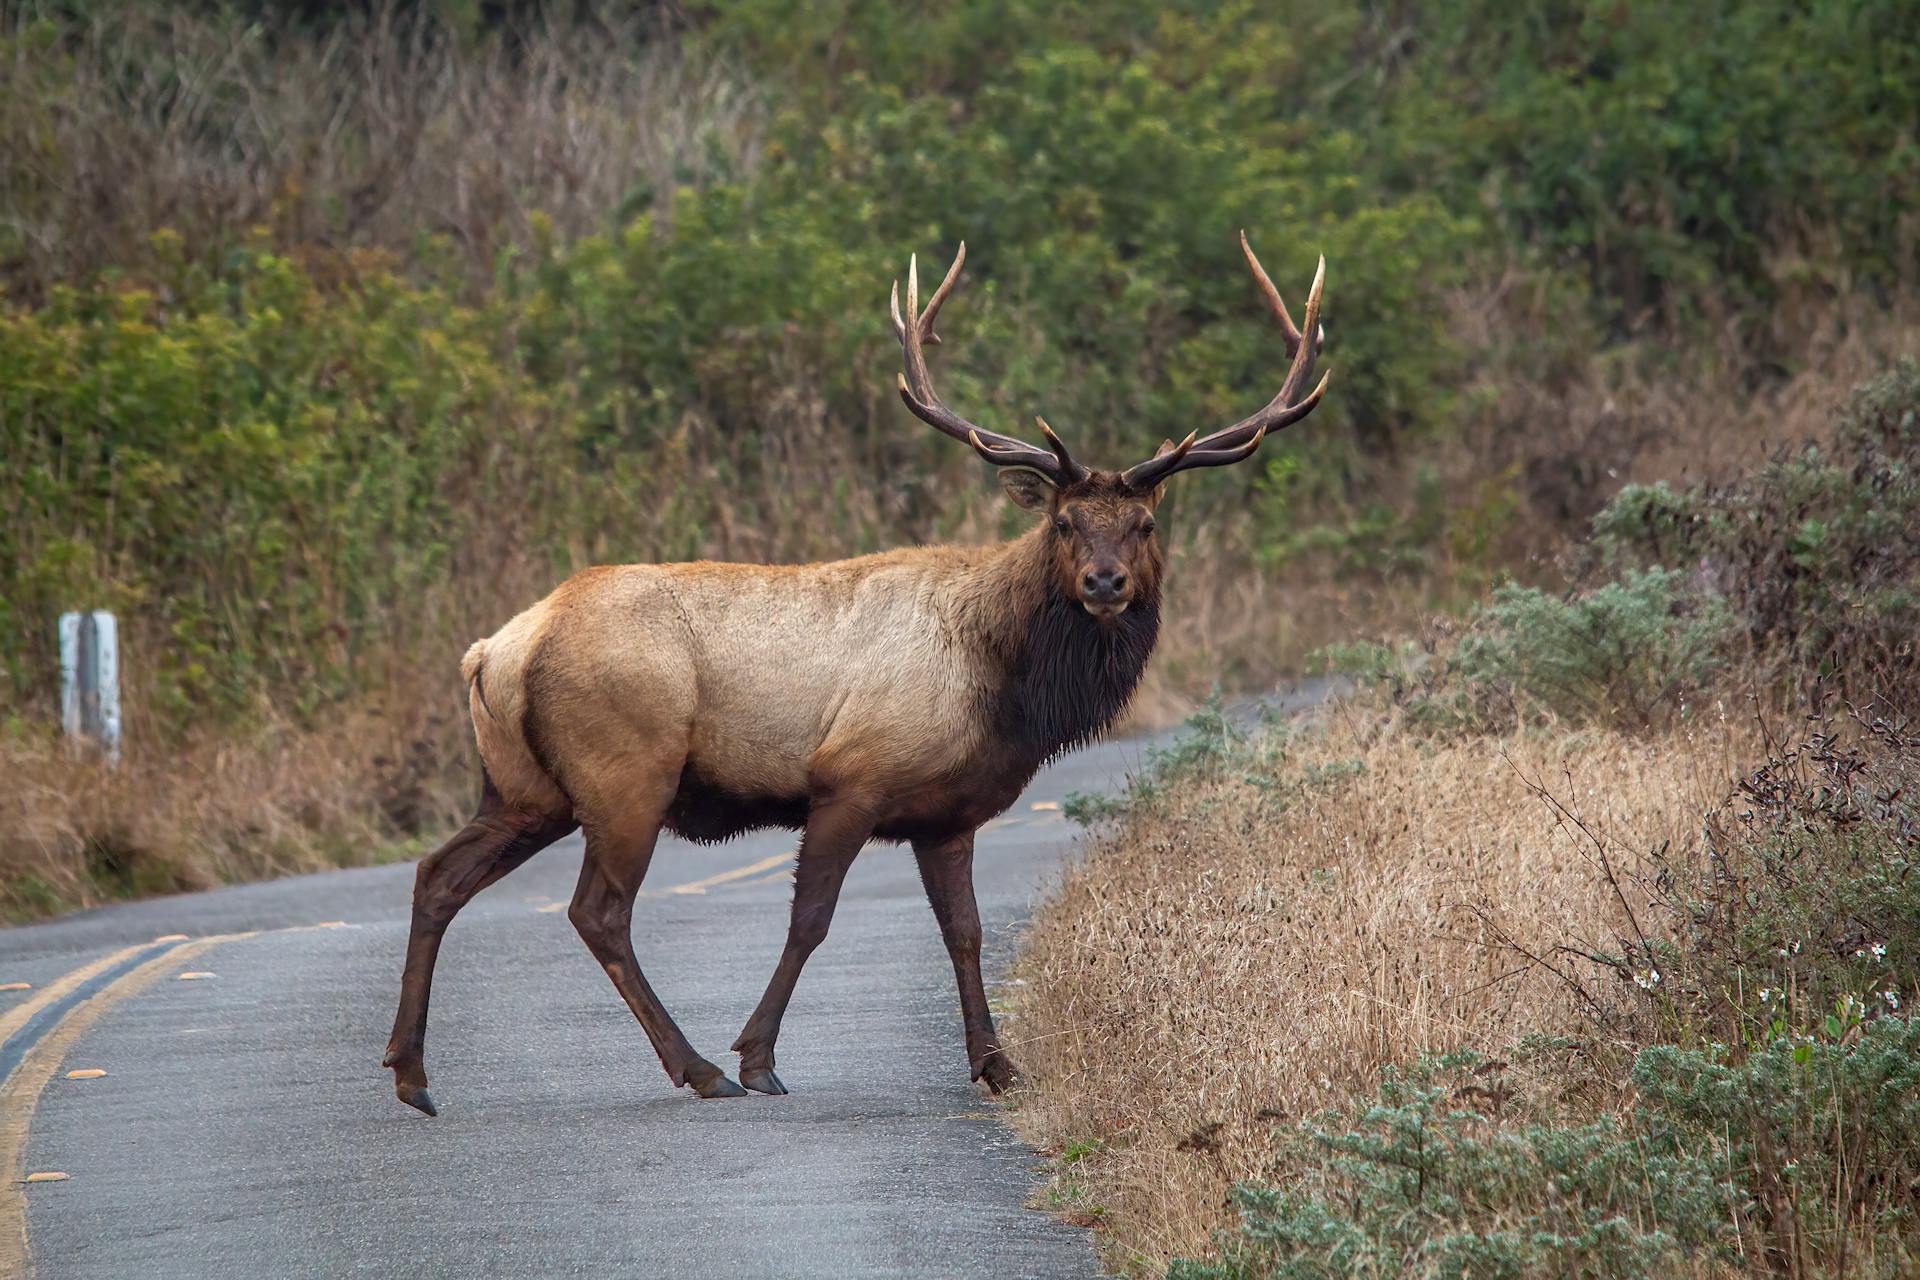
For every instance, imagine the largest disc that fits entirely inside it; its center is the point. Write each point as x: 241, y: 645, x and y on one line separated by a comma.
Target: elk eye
x: 1147, y: 526
x: 1063, y: 524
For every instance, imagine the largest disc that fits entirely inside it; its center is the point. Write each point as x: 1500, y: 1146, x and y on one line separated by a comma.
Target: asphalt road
x: 244, y: 1125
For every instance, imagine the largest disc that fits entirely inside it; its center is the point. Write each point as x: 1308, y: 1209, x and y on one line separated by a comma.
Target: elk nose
x: 1104, y: 584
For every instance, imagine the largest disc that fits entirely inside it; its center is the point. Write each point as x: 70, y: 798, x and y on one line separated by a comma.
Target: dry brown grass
x: 269, y: 801
x: 382, y: 129
x: 1238, y: 959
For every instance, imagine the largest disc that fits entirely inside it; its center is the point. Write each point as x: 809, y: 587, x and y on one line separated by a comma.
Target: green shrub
x: 1817, y: 553
x: 1766, y: 1161
x: 1424, y: 1182
x: 1817, y: 1135
x: 1209, y: 742
x: 1631, y: 651
x: 1802, y: 915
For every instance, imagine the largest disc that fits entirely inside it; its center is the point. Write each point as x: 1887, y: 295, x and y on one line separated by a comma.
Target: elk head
x: 1105, y: 549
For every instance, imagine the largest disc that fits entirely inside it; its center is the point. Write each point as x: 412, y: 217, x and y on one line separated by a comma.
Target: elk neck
x: 1063, y: 676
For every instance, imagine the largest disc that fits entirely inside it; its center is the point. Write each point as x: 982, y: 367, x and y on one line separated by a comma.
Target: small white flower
x: 1766, y: 994
x: 1879, y: 950
x: 1647, y: 980
x: 1892, y: 998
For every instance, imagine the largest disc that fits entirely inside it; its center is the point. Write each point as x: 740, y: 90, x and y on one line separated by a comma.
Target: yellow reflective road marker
x: 195, y: 974
x: 1044, y: 806
x: 86, y: 1073
x: 16, y: 986
x: 48, y: 1177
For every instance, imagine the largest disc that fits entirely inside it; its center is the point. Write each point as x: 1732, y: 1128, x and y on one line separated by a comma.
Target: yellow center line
x: 701, y: 886
x: 738, y: 873
x: 20, y: 1092
x: 18, y: 1016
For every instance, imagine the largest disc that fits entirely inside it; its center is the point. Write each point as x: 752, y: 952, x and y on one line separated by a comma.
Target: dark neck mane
x: 1068, y: 676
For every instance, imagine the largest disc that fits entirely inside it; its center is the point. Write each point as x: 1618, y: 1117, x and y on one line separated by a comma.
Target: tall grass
x: 380, y: 129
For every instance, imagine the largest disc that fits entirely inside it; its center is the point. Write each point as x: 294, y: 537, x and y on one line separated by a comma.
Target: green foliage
x: 1750, y: 1160
x: 1817, y: 553
x: 1628, y: 650
x: 1210, y: 741
x: 1428, y: 1181
x: 235, y: 463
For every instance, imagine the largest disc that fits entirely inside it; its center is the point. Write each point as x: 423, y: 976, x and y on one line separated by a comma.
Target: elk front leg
x: 616, y: 862
x: 946, y: 869
x: 836, y: 828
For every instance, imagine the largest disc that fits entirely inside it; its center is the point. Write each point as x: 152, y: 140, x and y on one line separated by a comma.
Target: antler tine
x: 940, y: 295
x: 1309, y: 346
x: 1272, y: 295
x: 915, y: 330
x: 1287, y: 406
x: 1058, y: 445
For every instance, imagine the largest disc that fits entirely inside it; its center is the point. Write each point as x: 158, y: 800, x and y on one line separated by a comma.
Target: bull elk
x: 907, y: 696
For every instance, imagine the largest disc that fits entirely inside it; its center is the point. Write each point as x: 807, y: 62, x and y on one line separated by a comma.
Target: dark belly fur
x: 705, y: 813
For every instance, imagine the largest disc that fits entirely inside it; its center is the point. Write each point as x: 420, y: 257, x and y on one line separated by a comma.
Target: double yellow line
x: 35, y: 1036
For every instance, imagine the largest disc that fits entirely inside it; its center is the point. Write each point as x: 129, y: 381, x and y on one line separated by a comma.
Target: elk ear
x: 1028, y: 489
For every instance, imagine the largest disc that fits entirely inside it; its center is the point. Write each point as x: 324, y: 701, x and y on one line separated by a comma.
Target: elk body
x: 908, y: 696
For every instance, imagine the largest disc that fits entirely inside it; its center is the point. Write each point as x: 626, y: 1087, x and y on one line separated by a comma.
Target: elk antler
x: 1242, y: 438
x: 916, y: 388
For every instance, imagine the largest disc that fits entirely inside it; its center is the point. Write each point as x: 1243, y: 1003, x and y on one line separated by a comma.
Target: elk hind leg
x: 496, y: 841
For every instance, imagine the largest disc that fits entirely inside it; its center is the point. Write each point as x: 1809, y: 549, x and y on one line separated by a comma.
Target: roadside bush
x: 1776, y: 1162
x: 1630, y: 652
x: 1817, y: 553
x: 1429, y: 1181
x: 1800, y: 913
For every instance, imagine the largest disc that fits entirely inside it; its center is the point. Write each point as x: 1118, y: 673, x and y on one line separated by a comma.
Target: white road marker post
x: 90, y: 682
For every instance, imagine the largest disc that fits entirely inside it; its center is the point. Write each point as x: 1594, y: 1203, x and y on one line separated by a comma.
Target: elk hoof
x: 415, y: 1096
x: 710, y: 1081
x: 998, y: 1071
x: 762, y: 1080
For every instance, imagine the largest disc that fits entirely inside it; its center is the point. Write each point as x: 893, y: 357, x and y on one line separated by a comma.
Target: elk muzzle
x: 1106, y: 590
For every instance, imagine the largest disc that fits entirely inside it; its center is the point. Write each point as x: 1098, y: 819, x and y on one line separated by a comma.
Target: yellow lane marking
x: 18, y: 1016
x: 784, y: 873
x: 48, y: 1177
x: 1044, y: 806
x: 21, y: 1091
x: 738, y: 873
x: 86, y: 1073
x: 701, y: 886
x: 197, y: 974
x: 171, y: 937
x: 16, y: 986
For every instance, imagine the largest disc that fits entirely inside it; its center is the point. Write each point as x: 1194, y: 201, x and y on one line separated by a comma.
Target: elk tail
x: 473, y: 671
